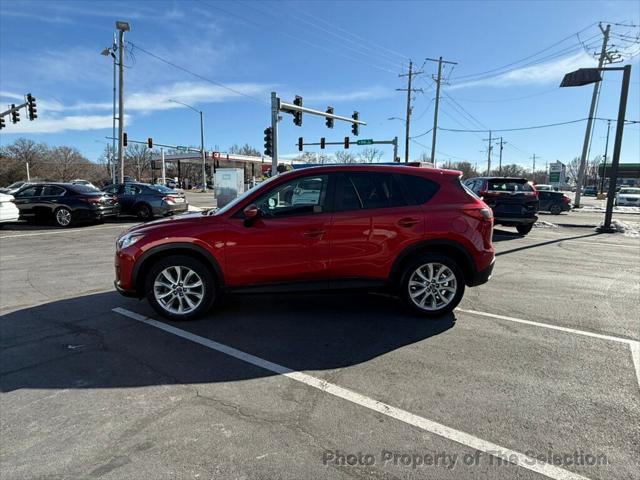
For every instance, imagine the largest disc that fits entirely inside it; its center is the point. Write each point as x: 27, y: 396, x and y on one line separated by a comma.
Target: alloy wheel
x: 178, y: 290
x: 63, y: 217
x: 432, y: 286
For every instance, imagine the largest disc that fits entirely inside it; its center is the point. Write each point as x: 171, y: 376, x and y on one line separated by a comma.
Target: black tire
x: 524, y: 229
x: 408, y: 292
x: 144, y: 212
x: 555, y: 209
x: 190, y: 263
x: 63, y: 217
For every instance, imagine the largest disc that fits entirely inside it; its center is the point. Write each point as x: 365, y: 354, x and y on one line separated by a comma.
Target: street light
x: 204, y: 171
x: 111, y: 51
x: 585, y: 76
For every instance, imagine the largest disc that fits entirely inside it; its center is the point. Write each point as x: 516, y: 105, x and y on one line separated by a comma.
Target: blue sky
x: 344, y: 54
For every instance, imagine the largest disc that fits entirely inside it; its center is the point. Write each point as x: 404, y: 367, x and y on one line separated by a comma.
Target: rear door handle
x: 408, y: 221
x: 314, y: 232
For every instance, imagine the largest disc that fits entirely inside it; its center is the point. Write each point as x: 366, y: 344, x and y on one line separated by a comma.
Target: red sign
x: 215, y: 155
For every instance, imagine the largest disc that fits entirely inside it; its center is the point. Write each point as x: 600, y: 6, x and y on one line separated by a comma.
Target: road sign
x: 182, y: 148
x: 215, y: 154
x: 365, y: 141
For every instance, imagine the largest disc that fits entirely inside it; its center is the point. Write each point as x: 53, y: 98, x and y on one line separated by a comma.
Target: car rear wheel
x: 144, y: 212
x: 524, y: 229
x: 63, y: 218
x: 180, y: 287
x: 432, y: 285
x: 555, y: 209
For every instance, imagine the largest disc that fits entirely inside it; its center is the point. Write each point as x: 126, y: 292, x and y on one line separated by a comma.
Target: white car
x: 8, y: 210
x: 628, y: 197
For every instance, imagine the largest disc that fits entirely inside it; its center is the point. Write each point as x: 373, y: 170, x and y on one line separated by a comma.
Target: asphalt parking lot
x: 540, y: 367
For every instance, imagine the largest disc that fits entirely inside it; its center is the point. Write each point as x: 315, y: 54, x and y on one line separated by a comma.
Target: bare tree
x: 67, y: 163
x: 342, y: 156
x: 370, y: 155
x: 245, y: 149
x: 468, y: 170
x: 137, y: 161
x: 19, y: 153
x: 305, y: 157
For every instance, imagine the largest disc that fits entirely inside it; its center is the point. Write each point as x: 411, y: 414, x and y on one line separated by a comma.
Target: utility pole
x: 204, y: 160
x: 490, y: 140
x: 409, y: 90
x: 28, y: 176
x: 275, y: 113
x: 533, y: 170
x: 164, y: 172
x: 500, y: 162
x: 437, y: 106
x: 604, y: 167
x: 587, y: 134
x: 122, y: 27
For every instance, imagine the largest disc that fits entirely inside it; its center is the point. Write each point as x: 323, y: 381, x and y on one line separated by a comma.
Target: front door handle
x: 408, y: 222
x: 314, y: 232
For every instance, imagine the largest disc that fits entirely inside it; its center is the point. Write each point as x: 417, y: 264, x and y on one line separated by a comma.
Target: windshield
x: 239, y: 199
x: 630, y: 191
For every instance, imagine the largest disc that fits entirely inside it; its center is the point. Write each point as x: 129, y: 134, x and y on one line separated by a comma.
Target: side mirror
x: 250, y: 212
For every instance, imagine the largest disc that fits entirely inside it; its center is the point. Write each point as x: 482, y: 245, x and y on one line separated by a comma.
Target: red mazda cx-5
x: 414, y: 231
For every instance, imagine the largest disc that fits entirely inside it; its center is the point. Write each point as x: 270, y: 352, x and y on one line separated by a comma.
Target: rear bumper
x: 482, y: 276
x: 168, y: 209
x: 98, y: 213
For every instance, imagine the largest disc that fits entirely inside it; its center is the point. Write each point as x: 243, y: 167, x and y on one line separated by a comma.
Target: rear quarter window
x: 419, y: 189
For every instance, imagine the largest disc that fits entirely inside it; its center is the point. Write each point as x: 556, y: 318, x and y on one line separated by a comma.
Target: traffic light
x: 15, y: 114
x: 150, y: 142
x: 268, y: 142
x: 31, y: 106
x: 322, y: 142
x: 124, y: 139
x: 2, y: 125
x: 355, y: 128
x: 329, y: 121
x: 300, y: 143
x: 297, y: 116
x: 346, y: 142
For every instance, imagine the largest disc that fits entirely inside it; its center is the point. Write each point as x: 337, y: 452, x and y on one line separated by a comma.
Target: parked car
x: 65, y: 203
x: 514, y: 201
x: 554, y: 202
x: 14, y: 187
x: 628, y: 196
x: 147, y: 201
x: 590, y: 191
x: 79, y: 181
x: 412, y: 231
x: 8, y: 210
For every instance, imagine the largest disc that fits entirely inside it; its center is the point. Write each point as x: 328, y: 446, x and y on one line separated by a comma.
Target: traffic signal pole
x: 275, y: 110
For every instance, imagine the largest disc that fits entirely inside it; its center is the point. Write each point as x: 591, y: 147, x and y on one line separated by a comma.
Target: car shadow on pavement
x: 82, y: 343
x: 548, y: 242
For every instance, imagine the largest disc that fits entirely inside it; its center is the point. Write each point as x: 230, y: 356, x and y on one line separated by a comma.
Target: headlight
x: 128, y: 240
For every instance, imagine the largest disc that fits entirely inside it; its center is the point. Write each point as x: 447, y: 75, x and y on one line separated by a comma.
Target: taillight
x: 169, y: 198
x: 482, y: 192
x: 566, y: 199
x: 482, y: 214
x: 91, y: 200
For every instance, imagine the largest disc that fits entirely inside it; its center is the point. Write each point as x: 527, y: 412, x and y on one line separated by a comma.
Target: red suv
x: 415, y: 231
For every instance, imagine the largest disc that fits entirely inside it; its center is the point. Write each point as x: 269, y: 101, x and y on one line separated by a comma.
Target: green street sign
x: 182, y: 148
x: 365, y: 141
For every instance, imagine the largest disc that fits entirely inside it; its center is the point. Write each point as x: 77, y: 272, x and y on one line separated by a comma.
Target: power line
x: 197, y: 75
x: 499, y: 100
x: 559, y: 42
x: 533, y: 127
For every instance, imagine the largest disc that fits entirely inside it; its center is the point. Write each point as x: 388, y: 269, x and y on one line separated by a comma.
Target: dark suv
x: 147, y: 201
x: 414, y: 231
x: 514, y: 201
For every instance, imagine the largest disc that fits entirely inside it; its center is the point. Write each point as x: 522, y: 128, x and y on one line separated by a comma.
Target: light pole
x: 204, y: 171
x: 606, y: 150
x: 121, y: 27
x: 585, y: 76
x: 111, y: 51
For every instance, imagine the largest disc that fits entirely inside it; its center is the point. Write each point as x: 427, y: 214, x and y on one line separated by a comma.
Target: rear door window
x: 370, y: 190
x: 132, y: 190
x: 52, y: 191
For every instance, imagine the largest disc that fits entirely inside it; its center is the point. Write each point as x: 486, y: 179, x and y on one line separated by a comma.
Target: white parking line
x: 522, y: 460
x: 53, y: 232
x: 602, y: 244
x: 634, y: 345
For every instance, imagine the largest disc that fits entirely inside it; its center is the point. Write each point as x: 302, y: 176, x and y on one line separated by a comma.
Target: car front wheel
x: 180, y: 287
x: 432, y: 285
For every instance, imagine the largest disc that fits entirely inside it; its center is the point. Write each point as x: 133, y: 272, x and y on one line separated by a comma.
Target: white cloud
x: 536, y: 74
x: 62, y: 124
x: 368, y: 93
